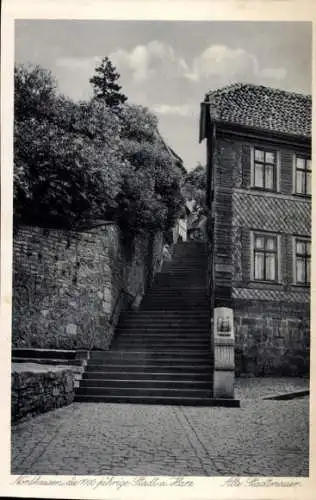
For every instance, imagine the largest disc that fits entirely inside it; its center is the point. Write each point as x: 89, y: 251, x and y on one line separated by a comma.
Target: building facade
x: 259, y: 226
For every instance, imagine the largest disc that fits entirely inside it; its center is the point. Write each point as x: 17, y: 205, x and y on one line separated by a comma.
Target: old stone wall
x: 70, y: 287
x: 272, y: 338
x: 35, y: 392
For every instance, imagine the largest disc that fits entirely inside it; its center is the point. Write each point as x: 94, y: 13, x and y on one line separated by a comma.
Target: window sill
x: 263, y: 282
x: 305, y: 286
x: 304, y: 196
x: 263, y: 190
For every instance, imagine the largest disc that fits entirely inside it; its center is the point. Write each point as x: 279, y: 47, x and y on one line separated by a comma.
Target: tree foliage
x: 152, y: 181
x: 105, y: 84
x: 67, y: 157
x: 78, y: 162
x: 194, y: 185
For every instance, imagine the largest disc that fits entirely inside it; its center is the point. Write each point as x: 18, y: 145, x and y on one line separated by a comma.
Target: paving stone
x: 266, y: 438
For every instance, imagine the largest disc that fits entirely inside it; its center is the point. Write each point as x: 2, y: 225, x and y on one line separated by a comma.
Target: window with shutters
x: 264, y: 169
x: 302, y: 175
x: 302, y: 261
x: 265, y: 248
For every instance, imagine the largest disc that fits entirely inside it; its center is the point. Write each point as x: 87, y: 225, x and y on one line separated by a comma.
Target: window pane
x: 300, y: 163
x: 259, y: 266
x: 269, y: 171
x: 308, y: 183
x: 259, y: 170
x: 259, y: 243
x: 309, y: 165
x: 259, y: 155
x: 270, y: 267
x: 270, y: 244
x: 270, y: 157
x: 300, y: 270
x: 308, y: 248
x: 300, y: 182
x: 308, y: 270
x: 300, y: 247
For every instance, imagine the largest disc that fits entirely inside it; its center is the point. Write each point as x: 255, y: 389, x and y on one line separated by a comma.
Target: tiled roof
x: 262, y: 108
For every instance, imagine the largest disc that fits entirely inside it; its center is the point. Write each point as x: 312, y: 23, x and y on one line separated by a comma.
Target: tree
x: 67, y: 163
x: 151, y: 195
x: 34, y: 92
x: 105, y: 84
x: 194, y: 186
x: 78, y: 162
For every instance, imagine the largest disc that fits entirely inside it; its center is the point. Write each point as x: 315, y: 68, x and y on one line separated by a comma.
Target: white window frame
x: 294, y: 240
x: 277, y: 167
x: 277, y: 236
x: 294, y: 157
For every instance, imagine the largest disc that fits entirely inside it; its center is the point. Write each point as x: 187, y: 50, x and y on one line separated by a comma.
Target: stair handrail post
x: 224, y: 353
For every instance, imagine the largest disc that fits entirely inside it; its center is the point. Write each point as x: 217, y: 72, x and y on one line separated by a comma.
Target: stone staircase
x: 161, y: 353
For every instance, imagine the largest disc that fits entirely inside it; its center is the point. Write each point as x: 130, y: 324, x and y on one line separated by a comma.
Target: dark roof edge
x: 243, y: 130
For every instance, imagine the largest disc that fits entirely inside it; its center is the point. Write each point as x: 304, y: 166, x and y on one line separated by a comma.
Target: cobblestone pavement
x: 262, y: 438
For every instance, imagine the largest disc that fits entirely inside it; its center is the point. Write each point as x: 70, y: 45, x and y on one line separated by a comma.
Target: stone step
x: 171, y: 306
x: 47, y: 361
x: 181, y: 294
x: 26, y: 352
x: 153, y: 383
x: 157, y: 400
x: 168, y: 288
x: 141, y: 354
x: 187, y: 266
x: 175, y: 314
x: 168, y: 346
x: 181, y: 299
x: 149, y: 374
x: 150, y: 362
x: 156, y: 327
x: 138, y: 335
x: 150, y: 367
x: 145, y: 391
x: 184, y: 325
x: 167, y: 338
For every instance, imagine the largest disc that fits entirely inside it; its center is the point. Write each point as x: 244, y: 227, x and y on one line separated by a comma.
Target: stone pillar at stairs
x: 223, y: 348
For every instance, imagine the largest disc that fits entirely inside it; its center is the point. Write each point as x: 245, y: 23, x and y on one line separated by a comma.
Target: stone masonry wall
x: 35, y: 392
x: 272, y: 338
x: 69, y: 287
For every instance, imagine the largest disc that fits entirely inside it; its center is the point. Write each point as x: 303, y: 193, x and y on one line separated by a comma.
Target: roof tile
x: 262, y: 108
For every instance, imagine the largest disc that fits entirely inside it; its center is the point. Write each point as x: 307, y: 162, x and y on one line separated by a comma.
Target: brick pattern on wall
x: 271, y: 213
x: 275, y: 295
x: 67, y: 285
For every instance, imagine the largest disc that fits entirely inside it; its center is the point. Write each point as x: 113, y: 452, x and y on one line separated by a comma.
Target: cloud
x: 147, y: 61
x: 77, y: 63
x: 181, y: 110
x: 218, y: 65
x: 231, y: 65
x: 277, y: 74
x: 156, y: 73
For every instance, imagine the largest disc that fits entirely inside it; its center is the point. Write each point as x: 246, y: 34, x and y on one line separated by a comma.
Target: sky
x: 168, y: 66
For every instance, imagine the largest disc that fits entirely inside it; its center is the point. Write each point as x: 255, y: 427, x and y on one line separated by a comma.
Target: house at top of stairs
x: 258, y: 143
